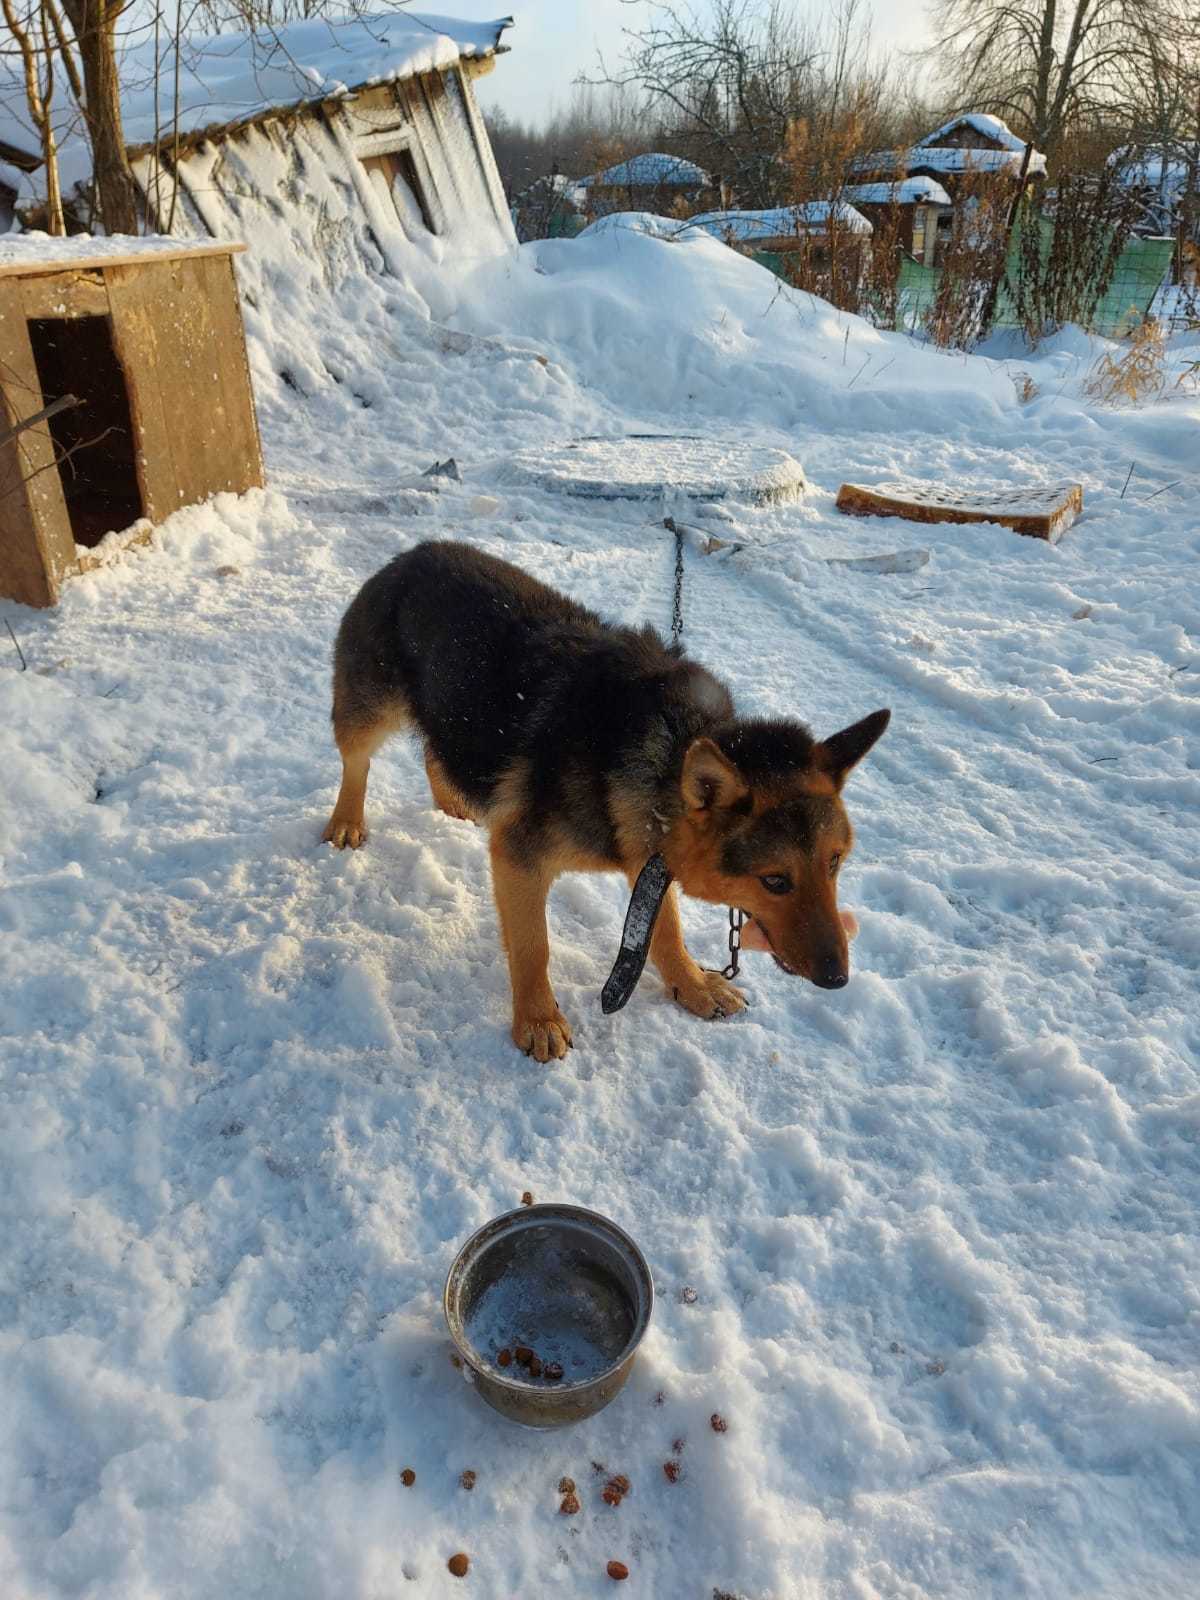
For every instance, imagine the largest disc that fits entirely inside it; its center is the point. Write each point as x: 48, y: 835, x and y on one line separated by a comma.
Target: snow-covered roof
x: 652, y: 170
x: 905, y: 192
x: 814, y: 216
x: 982, y: 122
x: 24, y: 252
x: 227, y: 78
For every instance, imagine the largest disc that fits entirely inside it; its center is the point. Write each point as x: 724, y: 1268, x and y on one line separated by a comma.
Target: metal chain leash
x: 737, y: 917
x: 677, y: 609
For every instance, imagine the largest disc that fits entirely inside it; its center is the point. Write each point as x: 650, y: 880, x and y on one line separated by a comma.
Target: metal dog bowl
x: 568, y: 1284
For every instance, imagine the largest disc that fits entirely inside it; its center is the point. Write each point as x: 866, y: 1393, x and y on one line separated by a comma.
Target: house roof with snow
x: 972, y: 142
x: 226, y: 79
x: 653, y: 170
x: 904, y: 192
x: 975, y: 122
x: 780, y: 221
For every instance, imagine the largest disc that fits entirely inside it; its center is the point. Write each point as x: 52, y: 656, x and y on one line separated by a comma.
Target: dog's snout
x: 831, y: 974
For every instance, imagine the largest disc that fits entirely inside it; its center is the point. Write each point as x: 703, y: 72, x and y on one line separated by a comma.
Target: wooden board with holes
x: 1042, y: 511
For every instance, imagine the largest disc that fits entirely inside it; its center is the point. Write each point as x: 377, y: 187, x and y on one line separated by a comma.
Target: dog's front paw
x: 709, y: 995
x: 343, y: 831
x: 545, y: 1038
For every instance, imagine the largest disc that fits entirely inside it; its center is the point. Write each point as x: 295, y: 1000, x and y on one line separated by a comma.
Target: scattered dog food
x: 408, y: 1477
x: 598, y: 1467
x: 459, y: 1565
x: 527, y: 1198
x: 718, y: 1423
x: 523, y: 1354
x: 468, y: 1479
x: 570, y: 1504
x: 456, y: 1360
x: 677, y: 1446
x: 673, y: 1471
x: 688, y: 1295
x: 553, y: 1371
x: 610, y: 1496
x: 566, y: 1486
x: 935, y: 1368
x: 620, y: 1483
x: 504, y: 1359
x: 617, y: 1570
x: 535, y: 1367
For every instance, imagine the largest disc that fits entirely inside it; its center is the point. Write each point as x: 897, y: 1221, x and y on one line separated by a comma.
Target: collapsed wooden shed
x: 147, y: 337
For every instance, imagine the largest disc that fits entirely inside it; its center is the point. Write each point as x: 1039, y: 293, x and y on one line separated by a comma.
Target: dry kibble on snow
x: 408, y: 1477
x: 535, y: 1367
x: 570, y: 1504
x: 456, y: 1360
x: 566, y: 1486
x: 459, y: 1564
x: 620, y: 1483
x: 523, y: 1354
x: 468, y: 1479
x: 553, y: 1371
x: 718, y: 1422
x: 688, y: 1295
x: 673, y: 1471
x: 504, y: 1359
x: 610, y: 1496
x: 617, y: 1570
x: 677, y: 1445
x: 527, y: 1198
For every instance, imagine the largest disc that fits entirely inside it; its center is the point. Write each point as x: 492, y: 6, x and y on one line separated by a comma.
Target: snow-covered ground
x: 941, y: 1226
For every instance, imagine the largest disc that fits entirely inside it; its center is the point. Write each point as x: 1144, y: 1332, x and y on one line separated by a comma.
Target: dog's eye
x: 776, y: 883
x: 834, y: 864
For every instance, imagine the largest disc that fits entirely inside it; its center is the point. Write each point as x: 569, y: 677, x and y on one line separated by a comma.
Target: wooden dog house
x: 147, y: 337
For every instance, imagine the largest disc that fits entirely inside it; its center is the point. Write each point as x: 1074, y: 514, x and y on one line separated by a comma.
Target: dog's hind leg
x: 445, y: 796
x: 358, y: 730
x: 538, y: 1027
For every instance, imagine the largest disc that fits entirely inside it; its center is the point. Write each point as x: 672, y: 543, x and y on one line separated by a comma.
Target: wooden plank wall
x: 36, y: 545
x: 179, y: 336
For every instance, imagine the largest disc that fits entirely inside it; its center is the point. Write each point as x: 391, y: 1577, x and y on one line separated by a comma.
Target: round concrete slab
x: 656, y: 466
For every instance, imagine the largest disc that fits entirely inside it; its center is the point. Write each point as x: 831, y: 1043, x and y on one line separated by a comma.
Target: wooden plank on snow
x: 1041, y: 511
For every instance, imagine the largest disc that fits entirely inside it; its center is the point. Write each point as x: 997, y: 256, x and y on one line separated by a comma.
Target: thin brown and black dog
x: 585, y: 747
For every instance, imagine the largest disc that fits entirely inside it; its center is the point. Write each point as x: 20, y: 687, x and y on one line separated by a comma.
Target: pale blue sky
x: 554, y: 40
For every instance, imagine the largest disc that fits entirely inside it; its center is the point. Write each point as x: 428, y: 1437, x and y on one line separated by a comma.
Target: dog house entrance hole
x: 93, y: 441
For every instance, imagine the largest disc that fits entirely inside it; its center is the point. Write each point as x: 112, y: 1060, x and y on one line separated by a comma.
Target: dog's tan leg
x: 357, y: 739
x: 445, y: 796
x: 539, y: 1027
x: 704, y: 994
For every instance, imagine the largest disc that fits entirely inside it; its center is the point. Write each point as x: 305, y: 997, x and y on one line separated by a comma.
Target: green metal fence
x: 1142, y: 268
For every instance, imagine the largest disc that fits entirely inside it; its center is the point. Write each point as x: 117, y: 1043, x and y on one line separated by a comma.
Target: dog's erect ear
x: 710, y: 780
x: 842, y: 751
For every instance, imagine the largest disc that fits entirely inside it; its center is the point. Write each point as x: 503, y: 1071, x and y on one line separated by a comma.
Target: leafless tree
x: 1046, y: 63
x: 32, y: 31
x: 94, y: 25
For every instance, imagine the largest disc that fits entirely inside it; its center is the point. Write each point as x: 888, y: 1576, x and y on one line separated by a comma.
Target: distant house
x: 918, y: 204
x: 652, y: 182
x: 969, y: 150
x: 365, y: 129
